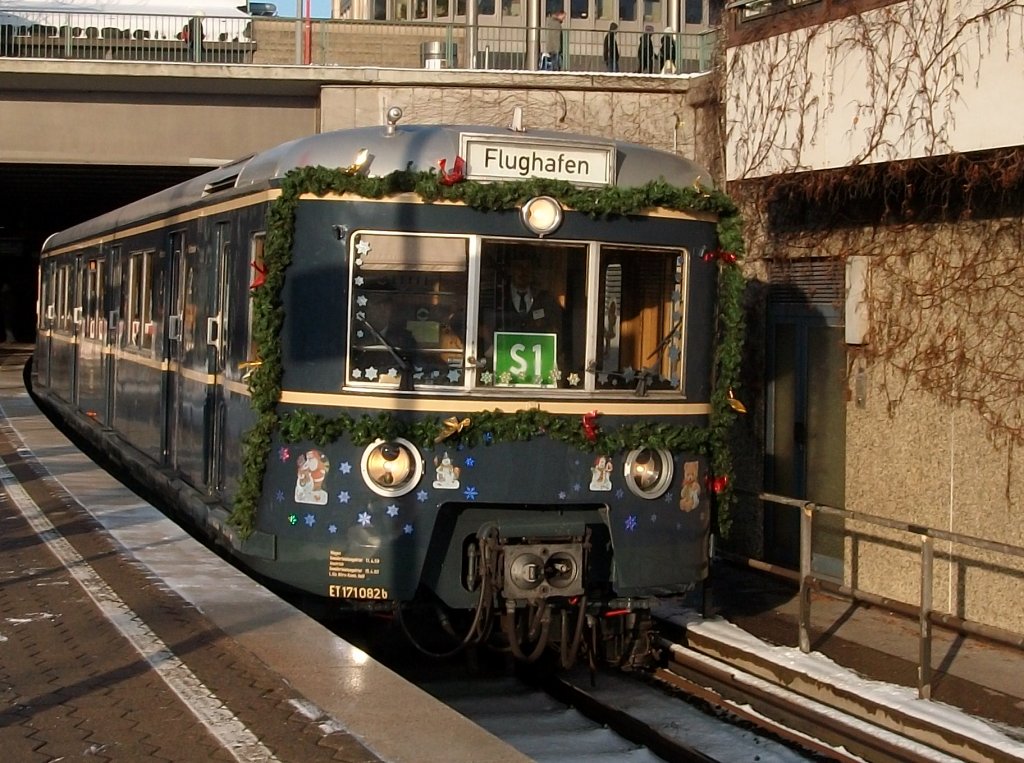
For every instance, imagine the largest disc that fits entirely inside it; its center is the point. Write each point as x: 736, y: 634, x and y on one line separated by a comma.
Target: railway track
x: 618, y: 719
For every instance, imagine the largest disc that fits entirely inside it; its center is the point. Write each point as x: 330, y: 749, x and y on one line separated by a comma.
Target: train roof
x: 402, y: 147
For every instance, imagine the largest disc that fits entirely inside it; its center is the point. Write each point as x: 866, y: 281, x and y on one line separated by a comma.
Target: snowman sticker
x: 601, y: 474
x: 447, y: 474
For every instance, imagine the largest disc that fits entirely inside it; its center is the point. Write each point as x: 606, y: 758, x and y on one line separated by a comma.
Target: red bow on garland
x: 457, y: 174
x: 590, y: 426
x: 718, y: 483
x: 261, y: 275
x: 720, y: 254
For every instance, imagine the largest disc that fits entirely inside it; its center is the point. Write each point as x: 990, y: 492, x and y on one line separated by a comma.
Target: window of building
x: 693, y: 13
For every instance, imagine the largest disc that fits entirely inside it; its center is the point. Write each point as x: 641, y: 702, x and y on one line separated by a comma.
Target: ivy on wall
x: 487, y: 426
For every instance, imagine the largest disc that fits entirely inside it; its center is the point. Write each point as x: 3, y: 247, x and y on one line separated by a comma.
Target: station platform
x: 122, y: 638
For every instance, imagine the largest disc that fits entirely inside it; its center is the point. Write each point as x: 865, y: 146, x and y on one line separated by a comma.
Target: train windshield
x: 461, y: 312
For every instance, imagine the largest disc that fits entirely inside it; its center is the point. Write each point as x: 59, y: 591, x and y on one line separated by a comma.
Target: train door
x: 172, y: 335
x: 91, y: 335
x: 77, y: 326
x: 216, y: 320
x: 47, y: 313
x: 190, y: 381
x: 113, y: 310
x: 806, y: 438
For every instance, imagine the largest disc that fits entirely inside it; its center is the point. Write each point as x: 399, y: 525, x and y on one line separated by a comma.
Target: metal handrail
x: 925, y: 615
x: 235, y: 39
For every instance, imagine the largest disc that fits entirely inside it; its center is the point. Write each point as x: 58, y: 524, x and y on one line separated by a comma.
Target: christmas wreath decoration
x: 486, y: 426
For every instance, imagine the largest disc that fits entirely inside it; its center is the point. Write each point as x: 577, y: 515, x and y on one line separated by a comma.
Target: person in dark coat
x: 645, y: 51
x: 611, y: 49
x: 668, y: 51
x: 527, y: 306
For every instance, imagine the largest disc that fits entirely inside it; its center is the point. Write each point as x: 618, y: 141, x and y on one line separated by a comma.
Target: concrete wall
x: 908, y: 80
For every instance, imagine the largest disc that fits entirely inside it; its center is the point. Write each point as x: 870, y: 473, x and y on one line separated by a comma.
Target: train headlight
x: 392, y: 467
x: 648, y: 472
x: 542, y: 215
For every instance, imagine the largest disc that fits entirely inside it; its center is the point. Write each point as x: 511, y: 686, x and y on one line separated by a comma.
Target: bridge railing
x: 126, y: 37
x: 334, y: 42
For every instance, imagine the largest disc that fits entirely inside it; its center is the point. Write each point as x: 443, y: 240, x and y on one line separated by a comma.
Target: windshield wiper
x: 405, y: 378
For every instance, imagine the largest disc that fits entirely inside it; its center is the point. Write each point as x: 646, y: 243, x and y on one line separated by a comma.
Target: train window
x: 93, y: 305
x: 140, y: 328
x: 532, y: 319
x: 258, y: 271
x: 640, y: 329
x: 408, y: 310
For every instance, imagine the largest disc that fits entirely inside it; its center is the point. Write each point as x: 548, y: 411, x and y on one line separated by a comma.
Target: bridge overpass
x: 81, y: 137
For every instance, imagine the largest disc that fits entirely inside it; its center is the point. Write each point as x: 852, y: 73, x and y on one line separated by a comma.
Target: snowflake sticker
x: 332, y: 528
x: 421, y: 496
x: 574, y: 379
x: 293, y: 519
x: 279, y: 496
x: 620, y: 493
x: 360, y: 334
x: 360, y: 315
x: 357, y: 373
x: 454, y: 375
x: 505, y: 378
x: 365, y: 518
x: 470, y: 462
x: 561, y: 495
x: 361, y: 300
x: 631, y: 523
x: 470, y: 492
x: 371, y: 373
x: 343, y: 496
x: 363, y: 247
x: 407, y: 529
x: 392, y: 511
x: 345, y: 467
x: 487, y: 377
x: 309, y: 519
x: 358, y: 280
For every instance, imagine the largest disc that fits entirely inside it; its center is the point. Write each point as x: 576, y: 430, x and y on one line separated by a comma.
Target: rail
x: 925, y: 614
x: 331, y: 42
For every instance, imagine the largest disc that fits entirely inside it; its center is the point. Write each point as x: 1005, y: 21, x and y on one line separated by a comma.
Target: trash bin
x: 436, y: 54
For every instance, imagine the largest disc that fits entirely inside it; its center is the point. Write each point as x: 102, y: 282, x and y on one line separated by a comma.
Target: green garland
x: 268, y: 320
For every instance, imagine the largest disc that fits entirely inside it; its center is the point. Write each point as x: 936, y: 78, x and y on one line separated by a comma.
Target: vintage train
x: 469, y: 370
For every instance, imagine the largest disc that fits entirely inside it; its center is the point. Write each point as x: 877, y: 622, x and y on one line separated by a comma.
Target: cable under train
x: 463, y: 371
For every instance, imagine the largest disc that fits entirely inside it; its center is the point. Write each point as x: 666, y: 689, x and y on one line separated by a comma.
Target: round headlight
x: 392, y: 467
x: 648, y: 472
x: 542, y: 215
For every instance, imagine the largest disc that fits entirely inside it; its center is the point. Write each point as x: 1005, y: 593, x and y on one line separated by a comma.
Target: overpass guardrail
x: 325, y: 42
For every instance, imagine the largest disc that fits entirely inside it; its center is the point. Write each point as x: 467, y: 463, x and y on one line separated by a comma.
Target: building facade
x: 880, y: 165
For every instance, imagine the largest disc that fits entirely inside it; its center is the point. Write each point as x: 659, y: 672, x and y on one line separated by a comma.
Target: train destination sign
x: 525, y: 360
x: 493, y: 157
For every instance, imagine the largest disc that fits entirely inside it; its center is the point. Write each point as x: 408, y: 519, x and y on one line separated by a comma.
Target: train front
x: 495, y: 388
